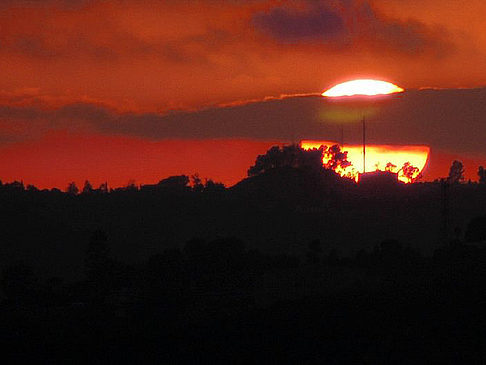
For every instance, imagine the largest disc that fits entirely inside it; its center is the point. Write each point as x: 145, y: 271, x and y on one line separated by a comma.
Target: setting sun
x: 379, y: 157
x: 362, y: 87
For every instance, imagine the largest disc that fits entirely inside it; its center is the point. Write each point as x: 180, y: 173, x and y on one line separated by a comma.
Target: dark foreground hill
x: 280, y: 211
x: 287, y: 267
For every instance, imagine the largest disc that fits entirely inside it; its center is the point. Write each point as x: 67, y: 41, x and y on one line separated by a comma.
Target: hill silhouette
x: 278, y: 211
x: 296, y: 186
x: 187, y: 268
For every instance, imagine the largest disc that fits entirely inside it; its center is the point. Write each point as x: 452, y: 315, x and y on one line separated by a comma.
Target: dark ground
x: 282, y: 268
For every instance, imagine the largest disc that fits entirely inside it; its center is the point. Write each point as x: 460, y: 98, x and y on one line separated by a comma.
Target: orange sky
x: 48, y: 163
x: 149, y: 57
x: 156, y: 55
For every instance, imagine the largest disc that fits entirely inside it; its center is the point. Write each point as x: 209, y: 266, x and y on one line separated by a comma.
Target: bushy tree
x: 209, y: 185
x: 287, y: 156
x: 409, y: 171
x: 179, y: 182
x: 482, y: 175
x: 335, y: 157
x: 31, y: 187
x: 15, y: 186
x: 212, y: 186
x: 456, y: 173
x: 390, y: 167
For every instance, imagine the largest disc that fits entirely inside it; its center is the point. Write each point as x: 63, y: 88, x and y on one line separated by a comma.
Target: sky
x: 115, y: 90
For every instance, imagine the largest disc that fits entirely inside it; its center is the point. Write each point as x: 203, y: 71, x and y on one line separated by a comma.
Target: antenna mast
x: 342, y: 136
x: 364, y: 145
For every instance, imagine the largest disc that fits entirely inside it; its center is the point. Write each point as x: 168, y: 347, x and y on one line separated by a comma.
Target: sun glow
x: 378, y: 158
x: 362, y: 87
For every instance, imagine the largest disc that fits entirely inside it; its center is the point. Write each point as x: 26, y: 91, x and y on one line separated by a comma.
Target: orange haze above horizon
x: 61, y: 157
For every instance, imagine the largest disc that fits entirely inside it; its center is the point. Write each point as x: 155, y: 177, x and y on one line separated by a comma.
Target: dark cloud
x: 411, y: 36
x: 448, y: 120
x: 14, y: 113
x: 339, y: 24
x: 352, y: 24
x: 317, y: 23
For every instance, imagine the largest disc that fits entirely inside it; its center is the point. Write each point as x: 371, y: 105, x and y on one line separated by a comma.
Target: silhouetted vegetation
x: 335, y: 157
x: 409, y: 171
x: 482, y: 175
x: 72, y: 188
x: 293, y: 264
x: 292, y: 156
x: 456, y: 172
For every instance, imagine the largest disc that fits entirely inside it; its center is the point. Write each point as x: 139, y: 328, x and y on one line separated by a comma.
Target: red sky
x: 125, y: 64
x: 47, y: 162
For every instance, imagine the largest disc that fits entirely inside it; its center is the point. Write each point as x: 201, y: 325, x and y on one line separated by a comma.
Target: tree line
x: 292, y: 156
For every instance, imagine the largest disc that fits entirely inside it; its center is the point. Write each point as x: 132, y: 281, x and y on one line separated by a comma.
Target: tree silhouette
x: 103, y: 188
x: 197, y: 184
x: 31, y: 187
x: 72, y: 188
x: 335, y: 157
x: 14, y: 186
x: 482, y: 175
x: 87, y: 188
x: 131, y: 186
x: 177, y: 183
x: 390, y: 167
x: 456, y: 173
x: 287, y: 156
x: 409, y: 171
x: 212, y: 186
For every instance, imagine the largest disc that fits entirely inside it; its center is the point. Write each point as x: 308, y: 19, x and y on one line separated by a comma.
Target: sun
x: 379, y: 158
x: 362, y: 87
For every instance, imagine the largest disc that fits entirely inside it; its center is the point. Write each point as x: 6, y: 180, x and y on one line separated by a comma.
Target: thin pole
x: 342, y: 136
x: 364, y: 145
